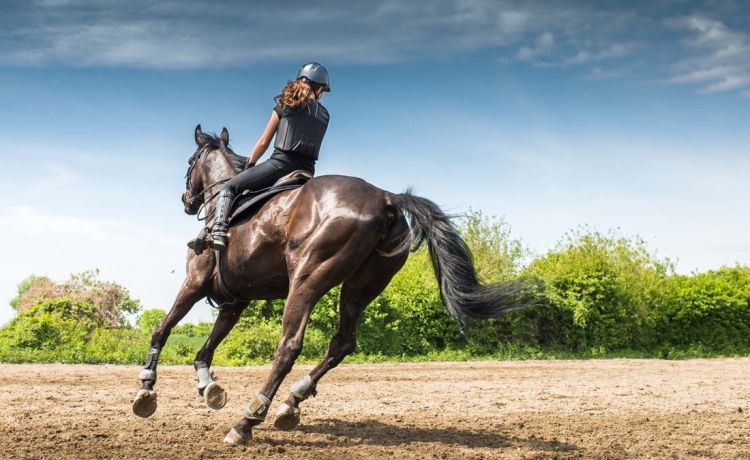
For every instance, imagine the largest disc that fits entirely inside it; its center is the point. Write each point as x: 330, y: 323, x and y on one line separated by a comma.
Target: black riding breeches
x: 265, y: 174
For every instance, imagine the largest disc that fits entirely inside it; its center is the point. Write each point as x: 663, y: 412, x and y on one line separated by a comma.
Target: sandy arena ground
x: 532, y: 409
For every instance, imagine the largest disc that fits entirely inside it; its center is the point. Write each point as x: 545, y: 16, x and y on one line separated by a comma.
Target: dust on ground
x: 521, y: 409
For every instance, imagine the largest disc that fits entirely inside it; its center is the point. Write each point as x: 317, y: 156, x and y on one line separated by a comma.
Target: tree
x: 110, y: 301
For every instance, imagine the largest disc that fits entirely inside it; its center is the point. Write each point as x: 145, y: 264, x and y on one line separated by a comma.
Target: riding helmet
x: 316, y: 73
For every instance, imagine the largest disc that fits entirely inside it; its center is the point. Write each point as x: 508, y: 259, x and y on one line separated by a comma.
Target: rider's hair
x: 296, y: 93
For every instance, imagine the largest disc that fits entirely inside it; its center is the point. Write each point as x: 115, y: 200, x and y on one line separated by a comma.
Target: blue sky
x: 618, y: 115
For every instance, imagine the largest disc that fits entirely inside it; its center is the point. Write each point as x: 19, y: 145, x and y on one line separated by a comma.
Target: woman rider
x: 299, y: 122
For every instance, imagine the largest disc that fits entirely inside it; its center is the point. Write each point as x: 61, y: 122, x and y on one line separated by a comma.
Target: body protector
x: 301, y: 131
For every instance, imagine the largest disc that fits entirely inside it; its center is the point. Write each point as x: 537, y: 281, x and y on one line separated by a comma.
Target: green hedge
x: 603, y: 295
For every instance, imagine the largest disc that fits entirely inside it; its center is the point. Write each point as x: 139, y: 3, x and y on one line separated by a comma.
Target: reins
x: 210, y: 198
x: 223, y: 288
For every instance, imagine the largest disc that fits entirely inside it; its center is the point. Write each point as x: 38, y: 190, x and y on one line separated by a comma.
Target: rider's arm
x: 265, y: 140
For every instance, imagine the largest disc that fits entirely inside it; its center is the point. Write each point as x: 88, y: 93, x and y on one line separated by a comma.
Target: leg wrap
x: 152, y: 358
x: 258, y: 409
x: 304, y: 388
x: 204, y: 377
x: 149, y: 370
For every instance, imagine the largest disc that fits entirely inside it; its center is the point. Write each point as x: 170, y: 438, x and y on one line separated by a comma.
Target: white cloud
x: 720, y: 56
x: 615, y: 50
x: 195, y: 34
x: 544, y: 45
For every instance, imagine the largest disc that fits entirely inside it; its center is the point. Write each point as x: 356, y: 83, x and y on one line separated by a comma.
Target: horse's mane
x: 212, y: 142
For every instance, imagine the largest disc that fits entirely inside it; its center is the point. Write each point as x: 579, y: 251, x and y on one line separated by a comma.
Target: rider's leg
x: 255, y: 178
x: 221, y: 217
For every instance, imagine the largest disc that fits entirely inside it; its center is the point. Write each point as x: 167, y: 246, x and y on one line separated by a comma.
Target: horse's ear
x: 224, y: 136
x: 200, y: 138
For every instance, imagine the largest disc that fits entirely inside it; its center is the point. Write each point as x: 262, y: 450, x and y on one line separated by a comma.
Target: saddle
x: 250, y: 201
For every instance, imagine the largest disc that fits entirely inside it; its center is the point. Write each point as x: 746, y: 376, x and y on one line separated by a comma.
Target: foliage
x: 604, y: 296
x: 110, y: 301
x: 709, y: 310
x: 149, y: 319
x: 600, y: 292
x: 41, y: 284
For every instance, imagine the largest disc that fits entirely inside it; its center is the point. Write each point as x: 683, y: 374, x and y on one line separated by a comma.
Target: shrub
x: 600, y: 291
x: 710, y: 310
x: 149, y: 319
x: 111, y: 301
x: 604, y: 296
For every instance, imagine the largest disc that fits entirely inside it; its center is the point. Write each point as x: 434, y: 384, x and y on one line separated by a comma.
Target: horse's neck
x: 218, y: 170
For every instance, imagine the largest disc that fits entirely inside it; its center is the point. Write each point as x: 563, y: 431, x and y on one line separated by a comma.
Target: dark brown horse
x: 300, y: 244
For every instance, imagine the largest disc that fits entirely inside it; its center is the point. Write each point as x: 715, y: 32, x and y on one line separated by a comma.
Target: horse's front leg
x: 144, y: 404
x: 214, y: 395
x: 296, y: 315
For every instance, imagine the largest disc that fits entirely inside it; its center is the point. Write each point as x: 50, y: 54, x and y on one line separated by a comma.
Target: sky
x: 628, y: 115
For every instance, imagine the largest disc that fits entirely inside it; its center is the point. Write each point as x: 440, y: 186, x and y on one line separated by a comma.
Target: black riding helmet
x: 315, y: 73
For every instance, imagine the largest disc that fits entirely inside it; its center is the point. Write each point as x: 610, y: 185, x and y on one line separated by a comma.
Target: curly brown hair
x: 295, y: 93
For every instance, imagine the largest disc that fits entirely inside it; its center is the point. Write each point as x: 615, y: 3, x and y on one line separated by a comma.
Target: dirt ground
x: 531, y: 409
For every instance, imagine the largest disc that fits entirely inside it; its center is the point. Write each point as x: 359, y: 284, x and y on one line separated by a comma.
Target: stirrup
x: 201, y: 242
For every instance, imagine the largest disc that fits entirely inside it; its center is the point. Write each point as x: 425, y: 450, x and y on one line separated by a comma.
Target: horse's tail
x: 462, y: 293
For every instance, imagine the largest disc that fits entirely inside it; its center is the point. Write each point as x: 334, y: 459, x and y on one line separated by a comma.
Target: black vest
x: 301, y: 130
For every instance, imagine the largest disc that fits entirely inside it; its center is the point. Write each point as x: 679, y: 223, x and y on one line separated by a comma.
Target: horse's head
x: 199, y: 177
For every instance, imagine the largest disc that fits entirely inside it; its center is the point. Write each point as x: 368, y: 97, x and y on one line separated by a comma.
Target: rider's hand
x: 249, y: 164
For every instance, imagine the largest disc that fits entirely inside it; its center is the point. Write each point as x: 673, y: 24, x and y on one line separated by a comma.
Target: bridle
x: 193, y: 197
x: 190, y: 201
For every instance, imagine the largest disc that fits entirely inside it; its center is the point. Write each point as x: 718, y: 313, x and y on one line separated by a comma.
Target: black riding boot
x: 221, y: 221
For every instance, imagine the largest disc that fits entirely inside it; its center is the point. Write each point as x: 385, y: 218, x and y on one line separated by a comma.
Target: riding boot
x: 221, y: 221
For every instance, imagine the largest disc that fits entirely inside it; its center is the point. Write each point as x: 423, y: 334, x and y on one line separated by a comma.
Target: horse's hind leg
x: 356, y: 293
x: 323, y: 265
x: 192, y: 291
x: 214, y: 395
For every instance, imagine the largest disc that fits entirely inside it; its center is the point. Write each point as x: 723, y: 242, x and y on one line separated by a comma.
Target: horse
x: 334, y: 230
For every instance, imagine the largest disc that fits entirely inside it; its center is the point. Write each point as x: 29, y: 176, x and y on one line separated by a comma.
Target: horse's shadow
x: 375, y: 432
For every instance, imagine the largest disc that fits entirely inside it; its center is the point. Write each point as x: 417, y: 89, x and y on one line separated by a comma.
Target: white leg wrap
x: 147, y: 374
x: 204, y: 377
x: 257, y: 409
x: 303, y: 388
x: 152, y: 359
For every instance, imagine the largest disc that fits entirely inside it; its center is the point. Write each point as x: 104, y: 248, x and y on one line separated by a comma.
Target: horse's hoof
x: 236, y: 438
x: 287, y: 417
x: 145, y: 403
x: 215, y: 396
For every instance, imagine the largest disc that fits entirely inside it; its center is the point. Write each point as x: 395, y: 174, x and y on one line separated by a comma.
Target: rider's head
x: 312, y: 81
